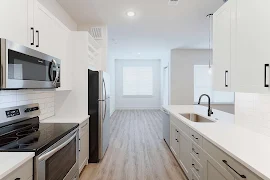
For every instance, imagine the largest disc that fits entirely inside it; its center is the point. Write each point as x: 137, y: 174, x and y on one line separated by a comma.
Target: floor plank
x: 137, y: 150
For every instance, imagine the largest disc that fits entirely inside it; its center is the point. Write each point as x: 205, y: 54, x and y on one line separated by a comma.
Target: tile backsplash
x: 252, y: 111
x: 45, y: 98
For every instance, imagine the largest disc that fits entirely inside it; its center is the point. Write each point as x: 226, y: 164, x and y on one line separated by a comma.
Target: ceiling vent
x: 96, y: 32
x: 173, y: 2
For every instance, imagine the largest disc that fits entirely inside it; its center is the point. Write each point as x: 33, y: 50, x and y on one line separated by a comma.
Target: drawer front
x: 196, y: 152
x: 197, y: 138
x: 231, y: 165
x: 197, y: 168
x: 24, y: 172
x: 194, y: 176
x: 181, y: 125
x: 84, y: 127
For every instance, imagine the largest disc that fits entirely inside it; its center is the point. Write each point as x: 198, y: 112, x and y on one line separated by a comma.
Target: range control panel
x: 12, y: 113
x: 31, y: 109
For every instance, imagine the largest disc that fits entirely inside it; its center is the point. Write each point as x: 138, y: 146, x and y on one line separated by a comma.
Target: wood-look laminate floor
x: 137, y: 150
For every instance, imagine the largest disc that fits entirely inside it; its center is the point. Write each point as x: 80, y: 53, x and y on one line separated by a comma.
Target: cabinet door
x: 213, y: 173
x: 84, y: 149
x: 175, y: 140
x: 44, y: 29
x: 212, y: 170
x: 253, y: 56
x: 14, y: 20
x: 223, y: 45
x: 184, y: 153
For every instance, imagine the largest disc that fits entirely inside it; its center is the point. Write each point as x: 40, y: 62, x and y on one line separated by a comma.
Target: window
x: 203, y: 85
x: 137, y: 81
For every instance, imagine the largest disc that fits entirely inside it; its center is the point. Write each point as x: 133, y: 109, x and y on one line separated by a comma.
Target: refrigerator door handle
x: 104, y: 116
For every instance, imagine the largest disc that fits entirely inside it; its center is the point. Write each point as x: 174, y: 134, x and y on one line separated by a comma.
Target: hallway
x: 137, y: 150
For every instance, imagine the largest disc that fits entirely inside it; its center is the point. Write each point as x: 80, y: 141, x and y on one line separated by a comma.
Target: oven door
x: 25, y: 68
x: 60, y: 161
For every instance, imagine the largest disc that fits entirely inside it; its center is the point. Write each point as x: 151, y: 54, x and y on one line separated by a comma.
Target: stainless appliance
x: 99, y: 111
x: 25, y: 68
x: 56, y: 146
x: 166, y: 126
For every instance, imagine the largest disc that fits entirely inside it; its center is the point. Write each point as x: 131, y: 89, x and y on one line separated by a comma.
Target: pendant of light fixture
x: 210, y: 40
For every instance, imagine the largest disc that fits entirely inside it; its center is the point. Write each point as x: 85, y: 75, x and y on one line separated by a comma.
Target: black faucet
x: 210, y: 112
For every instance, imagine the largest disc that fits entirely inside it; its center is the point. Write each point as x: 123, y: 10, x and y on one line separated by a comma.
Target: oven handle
x: 55, y: 150
x: 57, y: 72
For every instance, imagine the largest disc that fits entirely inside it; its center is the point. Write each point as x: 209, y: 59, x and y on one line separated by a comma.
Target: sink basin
x: 197, y: 118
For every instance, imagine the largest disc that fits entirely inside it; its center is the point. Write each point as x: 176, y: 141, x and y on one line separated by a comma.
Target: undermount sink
x: 197, y: 118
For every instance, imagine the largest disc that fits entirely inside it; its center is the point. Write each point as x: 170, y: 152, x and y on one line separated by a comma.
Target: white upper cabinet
x: 223, y: 45
x: 14, y: 20
x: 251, y: 65
x: 241, y: 40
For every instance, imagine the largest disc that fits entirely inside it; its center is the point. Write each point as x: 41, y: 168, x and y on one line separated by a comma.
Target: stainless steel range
x: 56, y: 146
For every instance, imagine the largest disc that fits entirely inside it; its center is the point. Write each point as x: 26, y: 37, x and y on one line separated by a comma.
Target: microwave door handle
x: 57, y: 72
x: 55, y: 150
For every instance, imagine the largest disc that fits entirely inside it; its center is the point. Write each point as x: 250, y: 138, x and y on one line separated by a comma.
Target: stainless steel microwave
x: 25, y: 68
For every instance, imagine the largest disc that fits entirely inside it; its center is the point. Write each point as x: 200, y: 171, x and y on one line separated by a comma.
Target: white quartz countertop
x: 247, y: 147
x: 10, y: 161
x: 66, y: 119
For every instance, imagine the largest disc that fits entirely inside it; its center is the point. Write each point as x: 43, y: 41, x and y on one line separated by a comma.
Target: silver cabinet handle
x: 55, y: 150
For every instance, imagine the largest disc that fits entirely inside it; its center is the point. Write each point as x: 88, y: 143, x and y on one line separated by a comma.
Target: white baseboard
x: 138, y: 108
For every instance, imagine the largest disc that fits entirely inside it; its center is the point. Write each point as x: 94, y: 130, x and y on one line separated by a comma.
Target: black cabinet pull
x: 176, y: 130
x: 194, y: 137
x: 33, y: 35
x: 177, y: 140
x: 242, y: 176
x: 265, y: 75
x: 226, y: 73
x: 37, y: 38
x: 17, y: 179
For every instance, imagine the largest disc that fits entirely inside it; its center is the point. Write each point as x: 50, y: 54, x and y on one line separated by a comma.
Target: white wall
x: 182, y: 74
x: 23, y: 97
x: 56, y: 9
x: 136, y: 102
x: 252, y: 111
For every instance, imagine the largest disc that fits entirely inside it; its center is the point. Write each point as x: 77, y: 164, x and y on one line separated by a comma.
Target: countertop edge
x: 16, y: 166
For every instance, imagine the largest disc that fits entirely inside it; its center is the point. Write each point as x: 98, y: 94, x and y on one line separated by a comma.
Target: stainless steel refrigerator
x: 99, y: 111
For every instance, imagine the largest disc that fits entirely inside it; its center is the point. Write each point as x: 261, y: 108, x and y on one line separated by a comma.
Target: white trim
x: 138, y: 108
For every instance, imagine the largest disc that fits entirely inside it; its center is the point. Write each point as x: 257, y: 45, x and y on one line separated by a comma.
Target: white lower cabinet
x: 24, y: 172
x: 219, y: 165
x: 83, y: 144
x: 200, y: 159
x: 180, y: 146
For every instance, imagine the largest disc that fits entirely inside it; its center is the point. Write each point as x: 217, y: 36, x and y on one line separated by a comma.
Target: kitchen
x: 91, y: 89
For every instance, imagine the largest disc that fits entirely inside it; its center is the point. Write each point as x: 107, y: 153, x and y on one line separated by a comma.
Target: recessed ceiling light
x: 131, y: 13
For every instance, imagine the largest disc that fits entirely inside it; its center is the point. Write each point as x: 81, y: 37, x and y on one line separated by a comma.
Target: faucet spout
x: 210, y: 112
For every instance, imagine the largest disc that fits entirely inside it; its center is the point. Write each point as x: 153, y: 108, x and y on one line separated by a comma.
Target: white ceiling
x: 157, y: 27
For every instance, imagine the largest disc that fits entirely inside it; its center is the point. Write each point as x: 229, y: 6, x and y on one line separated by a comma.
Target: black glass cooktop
x: 32, y: 136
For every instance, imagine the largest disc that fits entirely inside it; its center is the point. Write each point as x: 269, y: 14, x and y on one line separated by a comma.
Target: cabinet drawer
x: 231, y: 165
x: 196, y: 152
x: 84, y: 127
x: 24, y: 172
x: 196, y: 168
x: 194, y: 176
x: 197, y: 138
x: 182, y: 126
